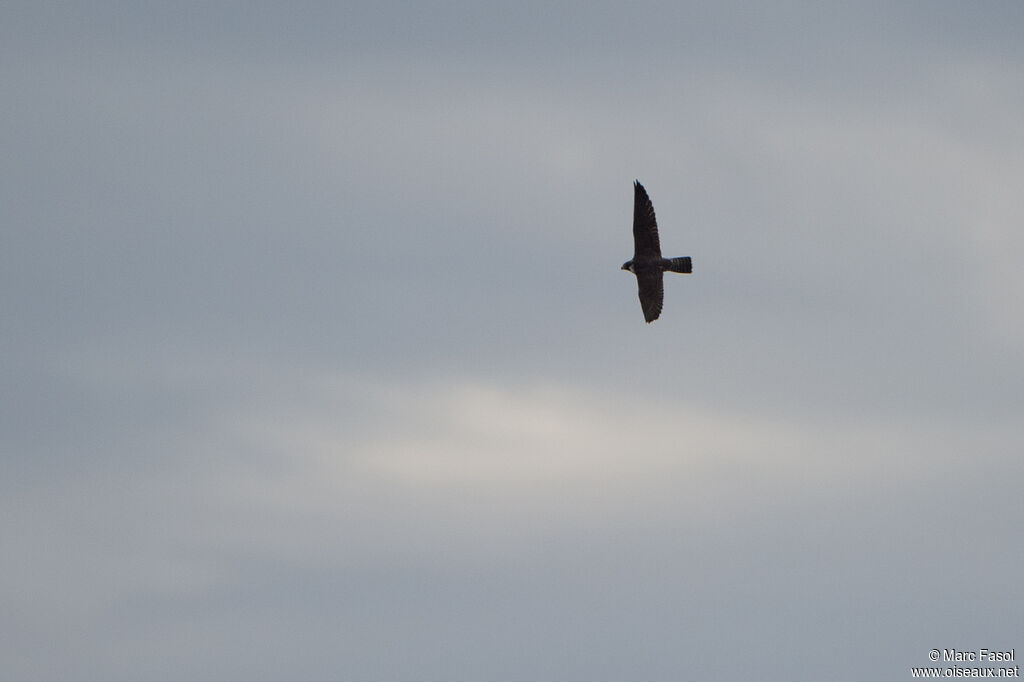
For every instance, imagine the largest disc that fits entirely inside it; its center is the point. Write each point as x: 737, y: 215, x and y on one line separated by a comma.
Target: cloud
x: 318, y: 503
x: 379, y: 465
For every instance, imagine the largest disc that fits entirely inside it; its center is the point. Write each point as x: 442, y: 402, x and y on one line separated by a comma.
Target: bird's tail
x: 683, y: 265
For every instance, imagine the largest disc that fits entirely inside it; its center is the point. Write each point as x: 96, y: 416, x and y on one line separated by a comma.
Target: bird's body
x: 648, y: 264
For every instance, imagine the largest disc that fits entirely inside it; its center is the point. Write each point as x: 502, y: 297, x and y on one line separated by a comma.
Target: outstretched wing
x: 652, y: 293
x: 645, y: 227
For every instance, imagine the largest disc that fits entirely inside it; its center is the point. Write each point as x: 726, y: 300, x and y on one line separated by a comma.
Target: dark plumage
x: 647, y: 263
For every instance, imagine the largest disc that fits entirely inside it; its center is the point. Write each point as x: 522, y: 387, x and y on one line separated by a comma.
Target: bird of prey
x: 647, y: 263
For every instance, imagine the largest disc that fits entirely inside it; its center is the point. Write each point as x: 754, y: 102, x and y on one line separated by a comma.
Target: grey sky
x: 318, y: 362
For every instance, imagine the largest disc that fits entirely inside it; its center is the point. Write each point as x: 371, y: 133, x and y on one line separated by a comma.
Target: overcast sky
x: 318, y: 363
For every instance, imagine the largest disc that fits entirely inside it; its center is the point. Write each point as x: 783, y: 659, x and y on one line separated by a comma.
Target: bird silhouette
x: 647, y: 263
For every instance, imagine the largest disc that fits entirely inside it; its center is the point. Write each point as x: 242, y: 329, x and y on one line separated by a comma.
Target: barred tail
x: 683, y: 265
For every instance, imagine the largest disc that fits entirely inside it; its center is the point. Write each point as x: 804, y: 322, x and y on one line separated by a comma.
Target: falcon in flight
x: 647, y: 263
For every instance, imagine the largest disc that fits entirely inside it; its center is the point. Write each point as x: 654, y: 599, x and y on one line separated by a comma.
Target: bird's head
x: 628, y: 265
